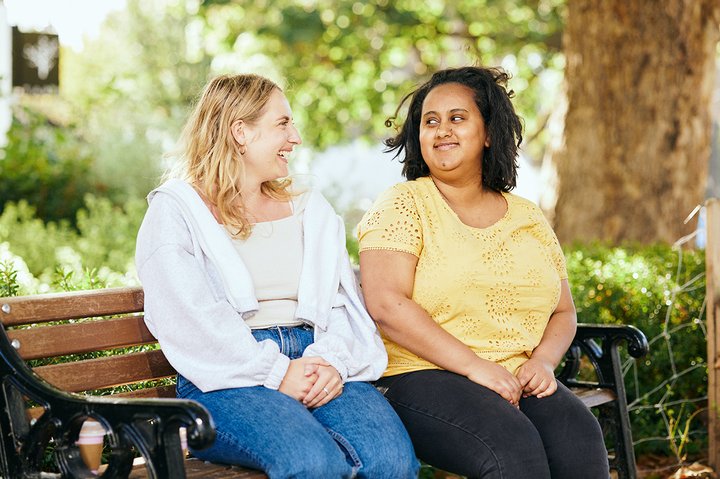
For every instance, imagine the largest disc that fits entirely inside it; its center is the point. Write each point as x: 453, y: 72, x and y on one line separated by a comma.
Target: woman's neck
x: 473, y: 203
x: 259, y: 207
x: 464, y: 192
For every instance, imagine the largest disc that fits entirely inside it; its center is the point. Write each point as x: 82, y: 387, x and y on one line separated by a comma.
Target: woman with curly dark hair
x: 469, y: 287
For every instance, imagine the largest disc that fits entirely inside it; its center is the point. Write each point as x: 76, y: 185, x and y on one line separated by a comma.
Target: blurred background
x: 129, y: 70
x: 620, y: 101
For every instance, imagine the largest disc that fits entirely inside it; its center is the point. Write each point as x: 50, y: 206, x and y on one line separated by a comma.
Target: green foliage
x: 348, y: 63
x: 56, y: 257
x: 107, y: 232
x: 661, y: 291
x: 344, y: 64
x: 353, y: 248
x: 64, y: 280
x: 44, y: 164
x: 132, y: 86
x: 30, y: 238
x: 8, y: 280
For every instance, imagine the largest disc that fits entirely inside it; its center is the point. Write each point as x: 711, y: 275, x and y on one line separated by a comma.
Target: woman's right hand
x: 497, y: 378
x: 301, y: 376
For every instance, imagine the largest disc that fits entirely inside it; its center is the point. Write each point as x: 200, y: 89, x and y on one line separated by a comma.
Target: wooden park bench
x: 57, y: 348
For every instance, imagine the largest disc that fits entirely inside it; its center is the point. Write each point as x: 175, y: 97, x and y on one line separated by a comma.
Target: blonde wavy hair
x: 210, y: 158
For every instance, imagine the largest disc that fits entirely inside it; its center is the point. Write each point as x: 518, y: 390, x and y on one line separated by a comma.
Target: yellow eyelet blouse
x: 493, y: 288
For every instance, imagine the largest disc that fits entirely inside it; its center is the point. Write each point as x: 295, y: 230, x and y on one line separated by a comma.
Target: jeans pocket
x: 183, y: 387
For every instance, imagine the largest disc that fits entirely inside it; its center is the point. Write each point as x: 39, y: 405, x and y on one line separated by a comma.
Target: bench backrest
x: 89, y: 341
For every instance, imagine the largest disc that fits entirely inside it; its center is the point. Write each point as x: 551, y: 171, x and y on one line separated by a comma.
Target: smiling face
x: 268, y: 142
x: 452, y: 133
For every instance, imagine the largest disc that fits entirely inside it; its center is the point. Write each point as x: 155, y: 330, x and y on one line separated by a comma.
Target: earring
x: 242, y: 149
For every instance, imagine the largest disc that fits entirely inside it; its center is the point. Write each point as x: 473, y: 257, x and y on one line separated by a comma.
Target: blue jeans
x: 468, y: 429
x: 355, y: 435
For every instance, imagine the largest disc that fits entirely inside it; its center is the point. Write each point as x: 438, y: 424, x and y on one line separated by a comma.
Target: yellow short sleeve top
x: 493, y: 288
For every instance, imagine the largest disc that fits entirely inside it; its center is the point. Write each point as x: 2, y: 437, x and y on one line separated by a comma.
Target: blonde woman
x: 250, y: 292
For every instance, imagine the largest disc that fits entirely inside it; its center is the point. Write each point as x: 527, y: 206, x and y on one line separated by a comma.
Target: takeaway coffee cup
x: 90, y: 444
x: 183, y: 440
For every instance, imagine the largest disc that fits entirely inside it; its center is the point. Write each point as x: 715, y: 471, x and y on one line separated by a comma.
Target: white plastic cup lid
x: 91, y: 429
x: 183, y: 437
x: 90, y: 440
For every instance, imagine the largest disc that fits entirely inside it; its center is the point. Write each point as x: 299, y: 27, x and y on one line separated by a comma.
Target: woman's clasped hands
x: 534, y: 378
x: 537, y: 377
x: 312, y: 381
x: 497, y: 378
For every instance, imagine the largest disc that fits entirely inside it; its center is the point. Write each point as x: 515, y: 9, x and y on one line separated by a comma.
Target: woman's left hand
x: 327, y: 387
x: 537, y: 378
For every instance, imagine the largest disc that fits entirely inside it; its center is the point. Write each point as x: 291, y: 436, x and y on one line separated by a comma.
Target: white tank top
x: 273, y: 255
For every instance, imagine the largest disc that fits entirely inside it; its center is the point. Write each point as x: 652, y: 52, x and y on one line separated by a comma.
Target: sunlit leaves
x: 348, y: 63
x: 345, y: 64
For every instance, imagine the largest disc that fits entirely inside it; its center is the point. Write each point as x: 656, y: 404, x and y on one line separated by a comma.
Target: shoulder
x: 414, y: 189
x: 313, y: 206
x: 523, y: 206
x: 528, y: 214
x: 164, y: 224
x: 520, y: 201
x: 164, y: 221
x: 162, y: 205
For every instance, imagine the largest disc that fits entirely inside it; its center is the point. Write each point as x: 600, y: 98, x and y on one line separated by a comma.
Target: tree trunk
x: 637, y: 131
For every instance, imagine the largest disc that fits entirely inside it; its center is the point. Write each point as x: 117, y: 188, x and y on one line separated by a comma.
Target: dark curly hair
x: 503, y: 125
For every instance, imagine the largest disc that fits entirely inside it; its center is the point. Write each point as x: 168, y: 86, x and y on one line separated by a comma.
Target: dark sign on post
x: 35, y: 61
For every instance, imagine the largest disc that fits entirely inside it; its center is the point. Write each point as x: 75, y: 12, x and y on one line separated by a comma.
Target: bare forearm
x: 557, y: 338
x: 410, y: 326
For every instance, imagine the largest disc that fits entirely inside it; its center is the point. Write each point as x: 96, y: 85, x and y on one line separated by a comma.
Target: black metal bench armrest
x: 637, y: 344
x: 600, y: 343
x: 149, y: 425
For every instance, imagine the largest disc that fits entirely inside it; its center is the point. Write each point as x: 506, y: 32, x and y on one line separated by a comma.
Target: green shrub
x: 661, y: 291
x: 46, y: 165
x: 9, y: 285
x: 57, y: 257
x: 35, y: 241
x: 107, y: 232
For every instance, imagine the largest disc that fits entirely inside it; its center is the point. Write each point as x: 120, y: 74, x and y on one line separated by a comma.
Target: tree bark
x: 639, y: 78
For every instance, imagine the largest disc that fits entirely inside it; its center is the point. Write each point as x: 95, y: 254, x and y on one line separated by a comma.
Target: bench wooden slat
x: 108, y: 371
x: 72, y: 305
x: 167, y: 391
x: 594, y: 397
x: 195, y: 469
x: 58, y: 340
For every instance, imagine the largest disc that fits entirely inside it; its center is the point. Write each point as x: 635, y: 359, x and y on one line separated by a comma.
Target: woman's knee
x: 580, y: 449
x: 462, y: 427
x: 492, y: 443
x: 572, y: 436
x: 307, y: 457
x: 311, y: 467
x: 363, y: 423
x: 395, y: 462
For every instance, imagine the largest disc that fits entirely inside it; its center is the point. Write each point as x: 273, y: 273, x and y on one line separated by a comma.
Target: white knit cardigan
x: 197, y: 291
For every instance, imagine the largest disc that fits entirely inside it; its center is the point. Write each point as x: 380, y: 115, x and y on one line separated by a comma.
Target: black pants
x: 468, y: 429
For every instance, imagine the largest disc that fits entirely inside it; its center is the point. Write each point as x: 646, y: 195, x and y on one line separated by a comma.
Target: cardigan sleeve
x: 351, y: 341
x: 201, y: 334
